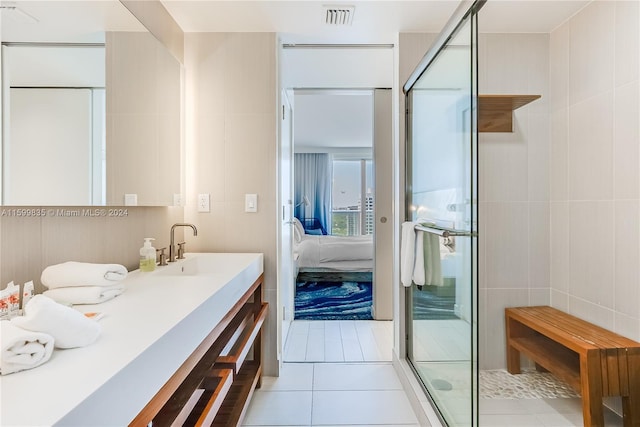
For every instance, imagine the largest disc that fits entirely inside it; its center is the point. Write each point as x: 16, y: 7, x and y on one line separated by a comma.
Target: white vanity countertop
x: 147, y: 332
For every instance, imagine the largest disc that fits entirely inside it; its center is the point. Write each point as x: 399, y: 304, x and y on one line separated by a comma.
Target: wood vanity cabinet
x: 215, y: 384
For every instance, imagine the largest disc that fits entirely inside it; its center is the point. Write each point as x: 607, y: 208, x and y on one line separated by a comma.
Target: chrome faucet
x: 172, y: 249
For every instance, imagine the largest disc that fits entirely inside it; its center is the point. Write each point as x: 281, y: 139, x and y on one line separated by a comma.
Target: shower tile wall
x: 514, y: 182
x: 514, y: 263
x: 595, y: 166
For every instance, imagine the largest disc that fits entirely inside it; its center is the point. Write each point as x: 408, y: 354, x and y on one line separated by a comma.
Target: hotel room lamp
x: 305, y: 201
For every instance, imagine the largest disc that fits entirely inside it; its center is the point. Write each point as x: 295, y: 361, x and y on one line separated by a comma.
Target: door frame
x: 359, y: 71
x: 286, y: 263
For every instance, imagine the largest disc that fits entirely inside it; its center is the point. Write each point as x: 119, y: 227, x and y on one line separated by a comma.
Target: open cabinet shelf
x: 215, y: 384
x: 206, y: 400
x: 233, y: 409
x: 495, y: 112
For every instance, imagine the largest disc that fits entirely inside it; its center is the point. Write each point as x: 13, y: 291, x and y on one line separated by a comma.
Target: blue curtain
x: 313, y: 179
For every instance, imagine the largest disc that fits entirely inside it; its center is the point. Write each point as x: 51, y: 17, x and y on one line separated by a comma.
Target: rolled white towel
x: 85, y: 294
x: 21, y: 349
x: 74, y: 273
x: 67, y: 326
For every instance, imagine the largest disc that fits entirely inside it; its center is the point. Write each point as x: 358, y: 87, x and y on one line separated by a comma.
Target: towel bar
x: 444, y: 232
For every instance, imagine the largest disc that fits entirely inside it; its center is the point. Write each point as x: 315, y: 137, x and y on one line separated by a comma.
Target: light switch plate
x: 251, y: 203
x: 177, y: 199
x: 204, y: 203
x: 131, y: 200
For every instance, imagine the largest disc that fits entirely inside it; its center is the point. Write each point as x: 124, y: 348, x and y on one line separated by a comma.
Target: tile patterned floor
x: 360, y: 393
x: 560, y: 412
x: 339, y: 341
x: 329, y: 394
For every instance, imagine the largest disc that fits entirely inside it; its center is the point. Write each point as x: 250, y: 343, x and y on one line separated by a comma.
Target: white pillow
x: 298, y: 230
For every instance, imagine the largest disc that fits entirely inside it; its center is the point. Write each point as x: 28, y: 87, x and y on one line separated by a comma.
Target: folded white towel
x: 67, y: 326
x: 74, y: 273
x: 85, y: 294
x: 21, y: 349
x: 407, y: 253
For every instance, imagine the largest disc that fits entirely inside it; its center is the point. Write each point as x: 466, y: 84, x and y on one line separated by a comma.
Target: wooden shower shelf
x: 495, y: 112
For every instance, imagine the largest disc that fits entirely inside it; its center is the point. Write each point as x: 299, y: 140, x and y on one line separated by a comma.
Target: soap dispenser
x: 147, y: 255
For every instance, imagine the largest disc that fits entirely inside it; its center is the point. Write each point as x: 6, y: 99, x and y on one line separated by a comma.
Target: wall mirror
x: 91, y: 108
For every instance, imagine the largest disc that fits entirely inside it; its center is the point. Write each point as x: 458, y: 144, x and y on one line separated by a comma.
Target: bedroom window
x: 352, y: 201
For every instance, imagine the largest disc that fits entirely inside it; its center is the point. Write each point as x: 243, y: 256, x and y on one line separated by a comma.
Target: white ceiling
x: 372, y: 19
x: 299, y: 21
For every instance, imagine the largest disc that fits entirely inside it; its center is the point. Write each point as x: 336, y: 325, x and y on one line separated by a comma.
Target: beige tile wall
x: 29, y: 244
x: 595, y: 164
x: 144, y: 122
x: 231, y: 102
x: 513, y: 178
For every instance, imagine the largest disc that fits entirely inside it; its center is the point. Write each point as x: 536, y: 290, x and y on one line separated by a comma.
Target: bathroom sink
x: 203, y: 264
x: 200, y: 265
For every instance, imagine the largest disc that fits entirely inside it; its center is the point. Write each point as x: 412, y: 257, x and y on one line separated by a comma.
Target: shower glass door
x: 441, y: 197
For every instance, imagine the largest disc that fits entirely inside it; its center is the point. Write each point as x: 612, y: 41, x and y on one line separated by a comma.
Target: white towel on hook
x: 67, y: 326
x: 21, y: 349
x: 407, y: 253
x: 425, y: 267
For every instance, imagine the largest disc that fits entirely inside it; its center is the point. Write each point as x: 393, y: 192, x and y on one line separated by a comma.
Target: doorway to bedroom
x: 334, y: 187
x: 336, y: 240
x: 334, y: 204
x: 338, y: 151
x: 334, y: 195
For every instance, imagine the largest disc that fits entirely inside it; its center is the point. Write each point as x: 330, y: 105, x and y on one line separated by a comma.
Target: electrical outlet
x: 177, y: 199
x: 203, y: 203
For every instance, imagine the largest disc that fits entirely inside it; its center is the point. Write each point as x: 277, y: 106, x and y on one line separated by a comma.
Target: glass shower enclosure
x: 441, y: 199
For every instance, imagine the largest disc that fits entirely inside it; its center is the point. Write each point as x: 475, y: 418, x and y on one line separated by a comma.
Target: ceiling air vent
x: 339, y: 15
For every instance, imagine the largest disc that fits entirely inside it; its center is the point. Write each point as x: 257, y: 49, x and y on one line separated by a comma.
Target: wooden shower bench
x: 594, y: 361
